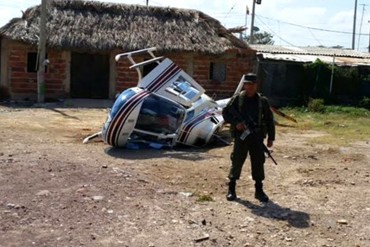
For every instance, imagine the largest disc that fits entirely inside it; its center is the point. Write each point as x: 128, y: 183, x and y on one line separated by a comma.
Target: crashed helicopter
x: 166, y: 108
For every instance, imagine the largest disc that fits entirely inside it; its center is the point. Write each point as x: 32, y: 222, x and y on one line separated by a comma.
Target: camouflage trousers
x: 252, y: 145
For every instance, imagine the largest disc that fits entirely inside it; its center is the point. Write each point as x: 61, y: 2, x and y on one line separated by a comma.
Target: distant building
x: 83, y: 38
x: 286, y: 82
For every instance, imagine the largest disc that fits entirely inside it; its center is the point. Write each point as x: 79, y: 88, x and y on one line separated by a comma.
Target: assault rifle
x: 268, y: 152
x: 249, y: 131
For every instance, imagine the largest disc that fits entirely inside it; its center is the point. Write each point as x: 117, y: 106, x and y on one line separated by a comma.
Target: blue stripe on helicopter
x: 165, y: 76
x: 123, y: 115
x: 128, y: 114
x: 189, y: 126
x: 159, y: 79
x: 117, y: 123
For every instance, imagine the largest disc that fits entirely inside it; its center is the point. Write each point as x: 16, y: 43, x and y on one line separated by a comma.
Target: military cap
x: 250, y: 78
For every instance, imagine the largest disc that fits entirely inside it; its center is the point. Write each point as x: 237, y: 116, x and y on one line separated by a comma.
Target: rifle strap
x: 259, y: 110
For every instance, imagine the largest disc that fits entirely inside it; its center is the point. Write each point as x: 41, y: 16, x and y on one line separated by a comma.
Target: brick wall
x: 125, y: 77
x: 23, y: 84
x: 56, y: 74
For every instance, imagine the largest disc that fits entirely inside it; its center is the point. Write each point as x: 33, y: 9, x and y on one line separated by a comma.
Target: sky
x: 291, y: 22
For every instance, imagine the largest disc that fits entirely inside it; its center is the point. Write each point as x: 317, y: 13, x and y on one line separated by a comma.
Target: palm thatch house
x: 84, y: 36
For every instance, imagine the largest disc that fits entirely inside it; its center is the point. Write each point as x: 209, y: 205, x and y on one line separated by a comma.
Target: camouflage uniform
x: 255, y: 112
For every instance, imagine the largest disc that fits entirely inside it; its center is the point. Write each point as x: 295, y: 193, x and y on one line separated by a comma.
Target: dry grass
x: 98, y: 26
x: 343, y: 125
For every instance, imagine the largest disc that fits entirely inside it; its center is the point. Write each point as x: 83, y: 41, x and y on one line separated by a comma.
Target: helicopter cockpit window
x: 183, y: 87
x: 160, y: 115
x: 121, y: 100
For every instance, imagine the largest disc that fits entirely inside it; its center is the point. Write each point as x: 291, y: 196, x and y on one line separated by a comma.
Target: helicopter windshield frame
x: 160, y: 115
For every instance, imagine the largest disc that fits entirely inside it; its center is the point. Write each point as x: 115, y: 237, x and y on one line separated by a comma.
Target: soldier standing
x: 251, y: 121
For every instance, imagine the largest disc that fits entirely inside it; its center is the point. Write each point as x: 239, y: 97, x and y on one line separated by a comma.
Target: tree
x: 334, y: 47
x: 263, y: 38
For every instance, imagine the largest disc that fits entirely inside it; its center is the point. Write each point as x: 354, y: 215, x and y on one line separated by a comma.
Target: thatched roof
x: 98, y: 26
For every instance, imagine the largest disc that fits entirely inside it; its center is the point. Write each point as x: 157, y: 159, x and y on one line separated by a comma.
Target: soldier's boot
x: 231, y: 194
x: 260, y: 194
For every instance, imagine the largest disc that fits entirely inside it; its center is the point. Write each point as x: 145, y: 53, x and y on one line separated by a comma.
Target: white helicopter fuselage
x: 166, y: 108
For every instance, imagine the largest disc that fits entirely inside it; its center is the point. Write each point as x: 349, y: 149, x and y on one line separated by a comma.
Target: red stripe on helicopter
x: 117, y: 120
x: 189, y: 130
x: 120, y: 118
x: 123, y: 115
x: 189, y: 126
x: 158, y: 81
x: 167, y: 74
x: 126, y: 116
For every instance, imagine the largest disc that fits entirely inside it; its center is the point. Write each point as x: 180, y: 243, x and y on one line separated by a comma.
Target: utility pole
x: 362, y: 19
x: 246, y: 21
x: 41, y: 55
x: 354, y: 26
x: 147, y: 2
x: 251, y: 38
x: 369, y: 38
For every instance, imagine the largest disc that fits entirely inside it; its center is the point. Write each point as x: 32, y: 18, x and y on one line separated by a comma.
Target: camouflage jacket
x: 254, y: 112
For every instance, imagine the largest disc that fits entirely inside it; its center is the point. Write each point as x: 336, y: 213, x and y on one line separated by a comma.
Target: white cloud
x: 341, y: 21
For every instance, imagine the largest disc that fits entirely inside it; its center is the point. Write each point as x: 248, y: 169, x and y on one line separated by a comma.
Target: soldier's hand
x: 270, y: 143
x: 240, y: 127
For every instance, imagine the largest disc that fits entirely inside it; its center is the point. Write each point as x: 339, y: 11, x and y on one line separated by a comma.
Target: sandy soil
x: 56, y: 191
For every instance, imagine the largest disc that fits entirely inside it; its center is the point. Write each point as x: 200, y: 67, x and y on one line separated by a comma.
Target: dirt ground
x: 56, y: 191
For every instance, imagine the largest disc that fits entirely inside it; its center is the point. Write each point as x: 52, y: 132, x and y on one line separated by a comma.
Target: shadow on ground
x: 181, y: 153
x: 274, y: 211
x: 63, y: 103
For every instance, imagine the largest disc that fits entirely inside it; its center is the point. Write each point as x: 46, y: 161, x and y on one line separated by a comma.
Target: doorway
x: 89, y: 76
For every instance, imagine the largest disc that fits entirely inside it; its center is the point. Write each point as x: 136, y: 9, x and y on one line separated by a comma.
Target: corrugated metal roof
x: 343, y: 57
x: 340, y: 61
x: 275, y: 49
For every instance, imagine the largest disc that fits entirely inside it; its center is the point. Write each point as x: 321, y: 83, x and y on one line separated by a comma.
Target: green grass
x: 204, y: 198
x: 342, y: 124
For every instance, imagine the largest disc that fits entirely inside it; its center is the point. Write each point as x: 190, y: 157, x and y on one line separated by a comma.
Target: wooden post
x: 41, y: 55
x: 332, y: 75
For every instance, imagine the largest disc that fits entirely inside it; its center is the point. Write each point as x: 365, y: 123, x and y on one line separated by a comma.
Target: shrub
x: 316, y: 105
x: 365, y: 103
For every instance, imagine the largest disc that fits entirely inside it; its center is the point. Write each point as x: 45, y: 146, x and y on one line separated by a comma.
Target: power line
x: 318, y: 41
x: 267, y: 27
x: 313, y: 28
x: 272, y: 31
x: 362, y: 19
x: 302, y: 26
x: 228, y: 13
